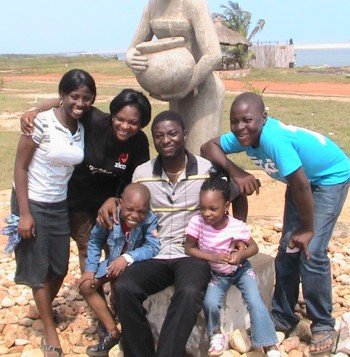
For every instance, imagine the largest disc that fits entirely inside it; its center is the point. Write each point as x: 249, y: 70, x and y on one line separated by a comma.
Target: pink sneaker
x: 217, y: 345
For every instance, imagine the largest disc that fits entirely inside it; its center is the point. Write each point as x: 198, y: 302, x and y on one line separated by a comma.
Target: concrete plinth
x: 233, y: 315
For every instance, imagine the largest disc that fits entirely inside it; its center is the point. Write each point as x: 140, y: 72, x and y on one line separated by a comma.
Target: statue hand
x: 136, y: 61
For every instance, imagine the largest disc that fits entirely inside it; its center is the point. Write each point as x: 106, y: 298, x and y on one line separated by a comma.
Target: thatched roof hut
x: 228, y: 36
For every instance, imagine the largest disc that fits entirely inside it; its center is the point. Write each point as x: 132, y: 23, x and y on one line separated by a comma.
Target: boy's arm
x: 246, y: 182
x: 97, y: 240
x: 151, y: 246
x: 191, y: 249
x: 302, y: 196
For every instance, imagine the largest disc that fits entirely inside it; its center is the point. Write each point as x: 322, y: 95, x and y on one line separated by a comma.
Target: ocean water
x: 333, y: 57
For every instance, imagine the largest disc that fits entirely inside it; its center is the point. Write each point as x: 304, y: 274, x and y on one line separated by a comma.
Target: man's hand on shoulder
x: 107, y: 214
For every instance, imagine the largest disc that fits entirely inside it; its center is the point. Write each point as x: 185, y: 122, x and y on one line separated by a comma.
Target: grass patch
x: 325, y: 116
x: 300, y: 75
x: 31, y: 65
x: 8, y: 145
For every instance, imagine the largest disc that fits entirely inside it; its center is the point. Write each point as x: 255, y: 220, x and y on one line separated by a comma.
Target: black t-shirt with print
x: 108, y: 163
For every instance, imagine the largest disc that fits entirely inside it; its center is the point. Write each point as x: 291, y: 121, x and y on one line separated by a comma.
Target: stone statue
x: 178, y: 66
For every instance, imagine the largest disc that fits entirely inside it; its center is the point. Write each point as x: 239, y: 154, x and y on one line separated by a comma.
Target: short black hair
x: 168, y: 115
x: 76, y: 78
x: 219, y: 180
x: 249, y: 98
x: 133, y: 98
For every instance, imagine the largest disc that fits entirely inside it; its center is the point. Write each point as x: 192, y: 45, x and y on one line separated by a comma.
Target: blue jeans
x: 315, y: 273
x: 263, y: 331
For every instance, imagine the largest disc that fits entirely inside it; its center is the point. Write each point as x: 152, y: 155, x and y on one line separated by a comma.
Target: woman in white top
x: 44, y: 163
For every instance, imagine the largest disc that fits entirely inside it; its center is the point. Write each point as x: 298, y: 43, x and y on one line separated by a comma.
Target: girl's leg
x: 98, y: 304
x: 263, y: 330
x: 213, y: 302
x: 42, y: 297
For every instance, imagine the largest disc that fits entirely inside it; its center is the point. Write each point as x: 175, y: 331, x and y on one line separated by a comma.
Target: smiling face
x: 247, y: 119
x: 213, y: 208
x: 126, y: 122
x: 169, y: 139
x: 77, y: 102
x: 134, y: 205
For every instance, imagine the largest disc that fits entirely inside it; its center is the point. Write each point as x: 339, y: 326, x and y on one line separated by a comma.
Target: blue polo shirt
x: 285, y: 148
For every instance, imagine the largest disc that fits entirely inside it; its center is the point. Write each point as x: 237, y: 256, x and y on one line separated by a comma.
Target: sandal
x: 48, y: 348
x: 327, y: 335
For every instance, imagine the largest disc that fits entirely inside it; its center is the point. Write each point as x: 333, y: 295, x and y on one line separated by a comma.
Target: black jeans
x: 190, y: 277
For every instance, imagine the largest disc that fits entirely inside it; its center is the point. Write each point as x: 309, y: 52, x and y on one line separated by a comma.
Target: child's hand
x: 235, y: 258
x: 117, y: 267
x: 26, y: 226
x: 222, y: 258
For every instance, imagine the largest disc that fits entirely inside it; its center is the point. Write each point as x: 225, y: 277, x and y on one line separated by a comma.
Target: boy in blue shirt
x: 317, y: 173
x: 133, y: 239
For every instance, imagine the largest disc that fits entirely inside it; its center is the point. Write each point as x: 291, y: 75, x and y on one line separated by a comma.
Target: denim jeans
x: 315, y: 273
x: 263, y: 331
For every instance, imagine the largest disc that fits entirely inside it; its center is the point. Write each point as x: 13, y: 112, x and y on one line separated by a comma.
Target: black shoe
x: 102, y: 348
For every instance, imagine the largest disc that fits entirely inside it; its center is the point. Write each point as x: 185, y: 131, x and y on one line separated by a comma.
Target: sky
x: 50, y: 26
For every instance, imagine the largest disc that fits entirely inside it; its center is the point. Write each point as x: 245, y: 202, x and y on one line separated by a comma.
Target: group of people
x: 171, y: 225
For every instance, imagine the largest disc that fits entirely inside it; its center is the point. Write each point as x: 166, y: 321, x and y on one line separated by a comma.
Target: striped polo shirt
x: 174, y: 204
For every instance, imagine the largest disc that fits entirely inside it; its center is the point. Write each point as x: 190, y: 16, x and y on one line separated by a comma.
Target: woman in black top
x: 114, y: 145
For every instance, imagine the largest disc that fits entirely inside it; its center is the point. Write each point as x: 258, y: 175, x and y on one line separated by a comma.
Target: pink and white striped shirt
x: 211, y: 240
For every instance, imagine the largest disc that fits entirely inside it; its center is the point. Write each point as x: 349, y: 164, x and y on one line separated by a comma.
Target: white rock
x: 21, y: 342
x: 344, y: 334
x: 240, y: 341
x: 7, y: 302
x: 278, y: 227
x: 21, y: 301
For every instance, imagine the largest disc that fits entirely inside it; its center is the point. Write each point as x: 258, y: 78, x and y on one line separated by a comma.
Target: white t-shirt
x: 53, y: 161
x: 211, y: 240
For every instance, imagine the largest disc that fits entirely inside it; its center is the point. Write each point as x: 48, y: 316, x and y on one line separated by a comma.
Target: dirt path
x: 327, y: 89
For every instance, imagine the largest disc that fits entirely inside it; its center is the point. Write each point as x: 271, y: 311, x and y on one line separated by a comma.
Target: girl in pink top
x: 212, y: 236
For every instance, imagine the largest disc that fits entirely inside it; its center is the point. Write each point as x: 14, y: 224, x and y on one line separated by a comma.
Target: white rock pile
x: 21, y: 327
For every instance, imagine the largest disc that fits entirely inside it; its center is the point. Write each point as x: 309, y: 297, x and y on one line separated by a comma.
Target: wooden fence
x: 275, y: 55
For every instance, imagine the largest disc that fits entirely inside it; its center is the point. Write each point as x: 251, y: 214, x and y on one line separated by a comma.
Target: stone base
x: 233, y: 315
